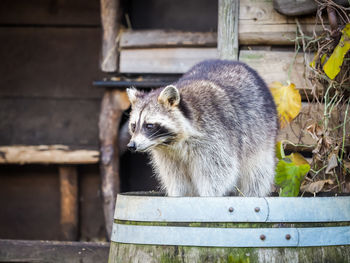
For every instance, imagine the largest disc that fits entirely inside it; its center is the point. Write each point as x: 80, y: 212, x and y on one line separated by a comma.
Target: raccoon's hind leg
x: 257, y: 172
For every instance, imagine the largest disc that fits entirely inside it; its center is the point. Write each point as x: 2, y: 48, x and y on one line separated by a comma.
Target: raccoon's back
x: 238, y: 79
x: 229, y: 99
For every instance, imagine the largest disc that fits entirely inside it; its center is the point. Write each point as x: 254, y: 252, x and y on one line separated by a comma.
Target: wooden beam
x: 248, y: 34
x: 110, y: 26
x: 162, y: 38
x: 272, y: 34
x: 163, y: 60
x: 53, y: 251
x: 46, y: 154
x: 271, y: 65
x: 69, y: 202
x: 228, y: 29
x: 113, y: 104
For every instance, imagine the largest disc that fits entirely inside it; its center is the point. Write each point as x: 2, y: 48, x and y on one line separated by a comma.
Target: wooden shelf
x: 46, y: 154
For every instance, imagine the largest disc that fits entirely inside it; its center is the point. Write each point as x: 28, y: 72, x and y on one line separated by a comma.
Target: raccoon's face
x: 154, y: 119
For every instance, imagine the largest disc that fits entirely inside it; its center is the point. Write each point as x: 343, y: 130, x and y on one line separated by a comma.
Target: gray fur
x: 216, y: 138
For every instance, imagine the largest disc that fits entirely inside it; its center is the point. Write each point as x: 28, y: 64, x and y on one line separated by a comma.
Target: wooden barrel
x: 153, y: 228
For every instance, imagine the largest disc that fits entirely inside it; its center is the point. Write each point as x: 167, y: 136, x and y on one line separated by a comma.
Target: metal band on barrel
x: 232, y: 209
x: 231, y: 237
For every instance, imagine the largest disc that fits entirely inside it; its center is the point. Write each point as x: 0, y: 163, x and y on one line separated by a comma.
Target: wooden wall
x: 49, y: 58
x: 46, y: 94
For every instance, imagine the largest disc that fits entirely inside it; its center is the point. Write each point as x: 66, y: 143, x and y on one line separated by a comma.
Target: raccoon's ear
x: 133, y: 94
x: 169, y: 96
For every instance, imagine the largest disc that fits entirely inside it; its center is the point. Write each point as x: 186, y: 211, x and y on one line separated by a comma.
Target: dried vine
x: 330, y: 167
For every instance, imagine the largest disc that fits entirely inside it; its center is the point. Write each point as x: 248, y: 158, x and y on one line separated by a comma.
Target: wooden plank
x: 272, y: 34
x: 260, y: 24
x: 163, y: 38
x: 262, y: 12
x: 275, y: 65
x: 43, y: 12
x: 55, y: 62
x: 110, y: 28
x: 53, y: 251
x: 165, y: 60
x: 272, y: 65
x: 69, y: 202
x: 114, y: 103
x: 228, y: 29
x: 249, y: 34
x: 91, y: 219
x: 45, y: 154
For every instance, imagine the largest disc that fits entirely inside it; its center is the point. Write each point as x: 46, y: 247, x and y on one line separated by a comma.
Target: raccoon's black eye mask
x: 155, y: 130
x: 151, y: 127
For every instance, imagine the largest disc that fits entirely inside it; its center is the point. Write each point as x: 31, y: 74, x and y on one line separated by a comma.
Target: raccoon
x: 212, y: 133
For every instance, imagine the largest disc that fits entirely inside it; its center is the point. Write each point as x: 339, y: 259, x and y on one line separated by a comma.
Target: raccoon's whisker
x: 170, y: 134
x: 154, y: 133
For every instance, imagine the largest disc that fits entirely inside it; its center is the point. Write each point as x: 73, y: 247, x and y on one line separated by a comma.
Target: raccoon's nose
x: 132, y: 146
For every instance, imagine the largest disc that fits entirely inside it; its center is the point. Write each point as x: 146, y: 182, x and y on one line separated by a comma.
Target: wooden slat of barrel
x: 275, y: 237
x: 155, y: 254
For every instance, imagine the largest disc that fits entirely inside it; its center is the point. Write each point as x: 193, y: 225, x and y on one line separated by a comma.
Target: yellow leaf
x: 333, y: 64
x: 298, y: 159
x: 288, y: 101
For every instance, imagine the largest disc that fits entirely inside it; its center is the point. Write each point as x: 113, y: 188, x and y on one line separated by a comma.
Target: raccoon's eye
x: 149, y: 126
x: 133, y: 126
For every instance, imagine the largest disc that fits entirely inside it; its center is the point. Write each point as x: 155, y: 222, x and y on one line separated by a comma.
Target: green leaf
x: 332, y: 66
x: 279, y: 150
x: 323, y: 58
x: 290, y: 172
